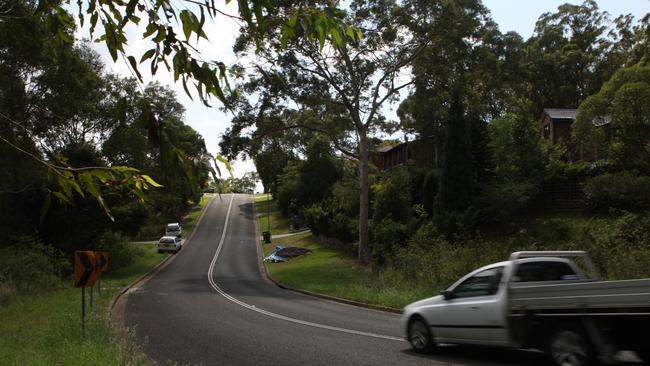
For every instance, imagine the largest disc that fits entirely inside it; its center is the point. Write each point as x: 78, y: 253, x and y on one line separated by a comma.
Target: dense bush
x: 624, y: 190
x: 28, y: 266
x: 122, y: 253
x: 428, y: 258
x: 504, y: 200
x: 387, y: 236
x: 324, y: 220
x: 392, y: 197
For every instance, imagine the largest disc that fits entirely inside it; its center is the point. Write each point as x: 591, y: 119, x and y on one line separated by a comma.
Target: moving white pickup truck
x: 537, y: 300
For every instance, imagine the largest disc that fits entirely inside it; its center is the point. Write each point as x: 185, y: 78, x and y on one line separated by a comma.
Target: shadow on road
x: 489, y: 356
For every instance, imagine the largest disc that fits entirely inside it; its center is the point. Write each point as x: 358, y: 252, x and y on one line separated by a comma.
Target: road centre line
x: 268, y: 313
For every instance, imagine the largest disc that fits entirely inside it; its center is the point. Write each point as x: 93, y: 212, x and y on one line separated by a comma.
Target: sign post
x: 101, y: 258
x: 84, y: 276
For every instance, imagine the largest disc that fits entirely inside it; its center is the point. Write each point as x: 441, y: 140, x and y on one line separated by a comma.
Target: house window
x: 546, y: 132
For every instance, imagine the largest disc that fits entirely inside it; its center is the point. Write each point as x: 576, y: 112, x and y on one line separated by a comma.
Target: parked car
x: 173, y: 229
x: 169, y: 244
x: 537, y: 300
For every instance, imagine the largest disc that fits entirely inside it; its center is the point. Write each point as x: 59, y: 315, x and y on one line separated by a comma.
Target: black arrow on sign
x: 88, y: 269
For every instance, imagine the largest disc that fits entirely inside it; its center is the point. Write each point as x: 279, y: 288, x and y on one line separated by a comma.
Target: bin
x: 266, y: 235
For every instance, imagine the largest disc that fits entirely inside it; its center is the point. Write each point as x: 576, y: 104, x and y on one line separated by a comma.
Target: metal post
x: 99, y: 283
x: 83, y: 311
x: 91, y: 297
x: 268, y: 212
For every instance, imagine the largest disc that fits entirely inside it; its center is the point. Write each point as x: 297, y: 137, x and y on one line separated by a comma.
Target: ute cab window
x: 484, y: 283
x: 545, y: 271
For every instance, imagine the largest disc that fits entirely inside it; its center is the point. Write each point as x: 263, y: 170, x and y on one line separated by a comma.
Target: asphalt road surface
x: 211, y: 306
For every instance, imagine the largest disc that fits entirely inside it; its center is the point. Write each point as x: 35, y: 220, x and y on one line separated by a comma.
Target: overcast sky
x: 511, y: 15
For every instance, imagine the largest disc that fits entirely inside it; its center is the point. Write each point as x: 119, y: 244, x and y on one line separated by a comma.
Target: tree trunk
x: 364, y: 237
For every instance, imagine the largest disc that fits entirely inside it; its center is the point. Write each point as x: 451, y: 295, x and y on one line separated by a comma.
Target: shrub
x: 386, y: 237
x: 624, y: 190
x: 428, y: 258
x: 392, y: 197
x: 324, y: 220
x: 121, y: 252
x: 28, y: 266
x: 504, y: 200
x: 552, y: 231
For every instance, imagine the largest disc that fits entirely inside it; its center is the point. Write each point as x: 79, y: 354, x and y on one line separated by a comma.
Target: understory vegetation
x: 427, y: 262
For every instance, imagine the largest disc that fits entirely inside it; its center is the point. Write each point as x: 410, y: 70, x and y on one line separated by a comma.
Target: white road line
x: 271, y: 314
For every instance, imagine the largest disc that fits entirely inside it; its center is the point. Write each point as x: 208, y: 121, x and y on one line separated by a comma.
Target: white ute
x: 537, y: 300
x: 173, y: 229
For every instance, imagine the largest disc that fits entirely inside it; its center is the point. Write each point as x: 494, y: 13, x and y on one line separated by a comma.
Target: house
x: 556, y: 129
x: 556, y: 124
x: 421, y: 152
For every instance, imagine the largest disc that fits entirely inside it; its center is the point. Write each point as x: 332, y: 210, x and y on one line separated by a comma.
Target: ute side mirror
x: 447, y: 295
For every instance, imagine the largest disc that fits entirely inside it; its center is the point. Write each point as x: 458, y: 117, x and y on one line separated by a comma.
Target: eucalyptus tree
x: 467, y: 54
x: 339, y: 87
x: 576, y: 49
x: 162, y: 20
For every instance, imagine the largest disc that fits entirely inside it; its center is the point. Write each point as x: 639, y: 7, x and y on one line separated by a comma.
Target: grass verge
x: 45, y: 328
x: 268, y: 212
x: 328, y: 271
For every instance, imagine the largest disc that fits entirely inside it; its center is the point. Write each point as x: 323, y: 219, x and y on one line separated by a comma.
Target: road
x: 211, y: 306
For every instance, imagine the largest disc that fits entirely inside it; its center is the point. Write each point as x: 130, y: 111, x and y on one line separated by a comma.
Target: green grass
x: 264, y: 206
x: 45, y: 329
x: 328, y: 271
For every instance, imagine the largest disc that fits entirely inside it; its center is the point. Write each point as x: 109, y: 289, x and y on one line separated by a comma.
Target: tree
x: 486, y: 68
x: 516, y: 148
x: 457, y: 179
x: 343, y: 84
x: 572, y: 53
x: 617, y: 119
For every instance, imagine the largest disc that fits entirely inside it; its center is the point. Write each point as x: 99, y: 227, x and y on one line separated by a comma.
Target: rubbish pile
x: 283, y: 254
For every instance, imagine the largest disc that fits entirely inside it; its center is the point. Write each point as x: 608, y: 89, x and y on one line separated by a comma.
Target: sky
x: 511, y: 15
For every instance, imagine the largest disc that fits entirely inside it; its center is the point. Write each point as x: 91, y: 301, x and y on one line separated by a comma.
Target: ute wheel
x: 569, y: 347
x: 419, y: 336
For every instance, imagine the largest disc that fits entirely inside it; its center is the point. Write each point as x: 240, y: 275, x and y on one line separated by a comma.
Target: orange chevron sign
x: 85, y: 269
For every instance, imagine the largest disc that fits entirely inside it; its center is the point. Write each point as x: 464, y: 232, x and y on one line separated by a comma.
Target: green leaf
x: 187, y: 23
x: 102, y: 175
x: 63, y: 199
x: 147, y: 55
x: 225, y: 162
x: 77, y: 188
x: 87, y: 180
x: 151, y: 182
x: 151, y: 27
x: 134, y: 65
x: 200, y: 32
x: 336, y: 35
x: 124, y: 169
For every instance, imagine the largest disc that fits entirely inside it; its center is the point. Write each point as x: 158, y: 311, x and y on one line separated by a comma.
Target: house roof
x: 561, y: 113
x: 384, y: 148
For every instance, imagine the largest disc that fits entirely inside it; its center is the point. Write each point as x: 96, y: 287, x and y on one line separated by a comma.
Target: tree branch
x: 337, y: 145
